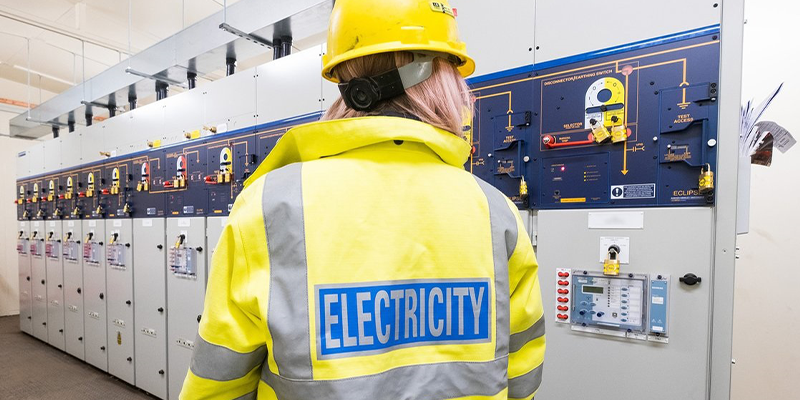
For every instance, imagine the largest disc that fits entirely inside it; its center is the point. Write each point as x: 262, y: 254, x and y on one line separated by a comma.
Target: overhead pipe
x: 277, y: 48
x: 286, y: 46
x: 230, y: 66
x: 191, y: 78
x: 161, y: 90
x: 55, y: 131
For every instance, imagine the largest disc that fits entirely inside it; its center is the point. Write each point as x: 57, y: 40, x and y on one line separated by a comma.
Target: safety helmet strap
x: 363, y: 94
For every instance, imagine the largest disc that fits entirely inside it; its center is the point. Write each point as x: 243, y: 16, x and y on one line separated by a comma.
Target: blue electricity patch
x: 355, y: 320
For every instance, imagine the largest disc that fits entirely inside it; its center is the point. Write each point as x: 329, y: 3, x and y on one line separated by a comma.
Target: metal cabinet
x: 72, y: 254
x: 150, y: 311
x: 120, y: 305
x: 38, y: 281
x: 94, y: 299
x: 55, y: 284
x: 24, y: 264
x: 186, y: 284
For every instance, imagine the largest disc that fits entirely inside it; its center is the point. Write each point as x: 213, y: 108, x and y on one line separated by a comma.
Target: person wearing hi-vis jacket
x: 362, y: 261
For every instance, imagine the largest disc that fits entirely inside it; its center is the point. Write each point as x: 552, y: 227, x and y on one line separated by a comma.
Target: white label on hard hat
x: 442, y: 8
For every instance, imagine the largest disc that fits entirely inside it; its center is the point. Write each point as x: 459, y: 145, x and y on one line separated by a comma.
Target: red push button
x: 562, y: 308
x: 563, y: 291
x: 563, y: 300
x: 562, y: 316
x: 563, y: 274
x: 106, y: 191
x: 563, y: 283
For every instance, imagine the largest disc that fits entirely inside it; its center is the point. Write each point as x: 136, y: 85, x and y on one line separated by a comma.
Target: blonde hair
x: 439, y: 100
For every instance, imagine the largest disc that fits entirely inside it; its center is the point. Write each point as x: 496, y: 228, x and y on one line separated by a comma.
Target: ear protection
x: 363, y: 94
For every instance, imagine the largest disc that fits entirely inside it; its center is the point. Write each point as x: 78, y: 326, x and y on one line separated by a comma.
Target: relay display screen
x: 593, y: 289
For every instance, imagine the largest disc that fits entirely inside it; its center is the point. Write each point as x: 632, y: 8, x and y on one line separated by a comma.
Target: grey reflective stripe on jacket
x: 504, y: 240
x: 287, y: 314
x: 218, y: 363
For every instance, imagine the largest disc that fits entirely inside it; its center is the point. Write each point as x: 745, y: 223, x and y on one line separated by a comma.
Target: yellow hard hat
x: 360, y: 28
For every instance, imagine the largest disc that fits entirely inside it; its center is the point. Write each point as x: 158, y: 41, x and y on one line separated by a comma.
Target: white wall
x: 9, y: 285
x: 767, y: 318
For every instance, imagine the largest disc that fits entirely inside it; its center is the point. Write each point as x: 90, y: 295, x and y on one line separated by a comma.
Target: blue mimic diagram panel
x: 635, y: 128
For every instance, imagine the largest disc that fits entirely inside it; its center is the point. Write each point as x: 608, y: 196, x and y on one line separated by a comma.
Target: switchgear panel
x: 24, y: 265
x: 94, y: 278
x: 120, y: 301
x: 38, y: 280
x: 186, y: 284
x: 55, y: 285
x: 73, y: 288
x: 150, y: 313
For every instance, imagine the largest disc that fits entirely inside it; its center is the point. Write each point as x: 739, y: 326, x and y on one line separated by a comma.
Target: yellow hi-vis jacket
x: 363, y: 262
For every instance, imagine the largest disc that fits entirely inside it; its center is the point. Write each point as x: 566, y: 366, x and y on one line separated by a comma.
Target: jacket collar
x: 328, y: 138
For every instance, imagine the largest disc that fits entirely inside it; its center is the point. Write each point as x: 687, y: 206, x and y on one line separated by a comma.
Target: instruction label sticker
x: 630, y: 192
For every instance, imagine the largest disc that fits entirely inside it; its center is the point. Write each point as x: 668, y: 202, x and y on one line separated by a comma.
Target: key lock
x: 611, y: 264
x: 706, y: 182
x: 179, y: 242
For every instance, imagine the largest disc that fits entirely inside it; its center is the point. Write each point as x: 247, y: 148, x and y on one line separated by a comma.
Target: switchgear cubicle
x: 613, y: 128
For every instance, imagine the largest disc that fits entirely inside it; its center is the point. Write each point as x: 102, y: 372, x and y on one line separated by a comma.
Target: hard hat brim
x: 466, y: 68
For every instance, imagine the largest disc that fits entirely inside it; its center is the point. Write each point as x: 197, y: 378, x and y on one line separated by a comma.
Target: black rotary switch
x: 161, y: 372
x: 101, y: 296
x: 160, y: 246
x: 128, y: 302
x: 161, y: 309
x: 690, y: 279
x: 79, y: 290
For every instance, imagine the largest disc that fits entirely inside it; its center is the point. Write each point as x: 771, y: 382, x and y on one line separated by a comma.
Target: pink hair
x: 439, y: 101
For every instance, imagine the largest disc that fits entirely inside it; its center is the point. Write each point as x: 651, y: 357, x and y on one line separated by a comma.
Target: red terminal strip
x: 563, y: 291
x: 562, y: 316
x: 563, y: 283
x: 563, y: 274
x: 563, y: 300
x: 562, y: 308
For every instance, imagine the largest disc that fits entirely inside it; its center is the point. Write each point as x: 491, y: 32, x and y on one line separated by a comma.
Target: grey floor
x: 31, y: 369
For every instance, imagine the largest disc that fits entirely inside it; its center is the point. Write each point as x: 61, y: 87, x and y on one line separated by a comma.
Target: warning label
x: 629, y: 192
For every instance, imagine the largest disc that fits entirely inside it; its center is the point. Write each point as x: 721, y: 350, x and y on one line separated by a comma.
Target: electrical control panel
x: 91, y: 249
x: 181, y: 259
x: 630, y: 126
x: 115, y: 252
x: 52, y: 246
x: 633, y: 306
x: 35, y: 247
